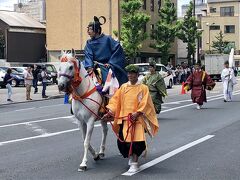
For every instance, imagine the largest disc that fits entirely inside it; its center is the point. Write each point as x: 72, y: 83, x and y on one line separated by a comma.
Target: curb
x: 35, y: 100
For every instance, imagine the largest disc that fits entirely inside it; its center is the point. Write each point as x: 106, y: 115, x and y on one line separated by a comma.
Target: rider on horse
x: 104, y: 51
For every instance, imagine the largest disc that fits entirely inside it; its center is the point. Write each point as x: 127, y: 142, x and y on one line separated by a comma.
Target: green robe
x: 157, y: 88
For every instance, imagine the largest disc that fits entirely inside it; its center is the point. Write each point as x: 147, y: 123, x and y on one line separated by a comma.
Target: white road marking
x: 71, y: 130
x: 51, y: 106
x: 25, y: 109
x: 168, y: 155
x: 180, y: 107
x: 36, y: 128
x: 42, y: 136
x: 189, y: 100
x: 43, y: 120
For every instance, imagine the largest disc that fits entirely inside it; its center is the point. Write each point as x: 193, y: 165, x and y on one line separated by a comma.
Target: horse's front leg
x: 90, y: 127
x: 83, y: 127
x: 104, y: 137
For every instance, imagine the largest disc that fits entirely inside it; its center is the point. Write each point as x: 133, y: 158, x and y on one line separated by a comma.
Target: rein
x: 76, y: 80
x: 130, y: 122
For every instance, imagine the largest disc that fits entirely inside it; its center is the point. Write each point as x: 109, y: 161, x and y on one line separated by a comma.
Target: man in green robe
x: 156, y: 85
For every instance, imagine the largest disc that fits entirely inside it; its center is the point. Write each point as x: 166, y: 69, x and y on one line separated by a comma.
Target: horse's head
x: 68, y: 72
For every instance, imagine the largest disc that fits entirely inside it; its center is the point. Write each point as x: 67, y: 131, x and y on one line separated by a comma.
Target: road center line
x: 42, y: 136
x: 168, y: 155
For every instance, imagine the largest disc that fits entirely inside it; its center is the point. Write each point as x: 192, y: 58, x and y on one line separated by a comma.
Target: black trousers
x: 137, y: 147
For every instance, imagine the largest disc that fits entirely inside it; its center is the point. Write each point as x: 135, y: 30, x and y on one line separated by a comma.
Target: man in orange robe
x: 132, y: 100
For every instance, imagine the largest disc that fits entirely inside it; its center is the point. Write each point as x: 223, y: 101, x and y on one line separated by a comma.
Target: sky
x: 180, y: 3
x: 8, y: 4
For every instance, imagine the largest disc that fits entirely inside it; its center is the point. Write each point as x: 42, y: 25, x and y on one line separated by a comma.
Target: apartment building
x: 33, y: 8
x: 67, y: 24
x: 221, y: 15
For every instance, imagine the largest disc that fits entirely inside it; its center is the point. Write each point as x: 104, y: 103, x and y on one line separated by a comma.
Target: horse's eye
x: 71, y: 68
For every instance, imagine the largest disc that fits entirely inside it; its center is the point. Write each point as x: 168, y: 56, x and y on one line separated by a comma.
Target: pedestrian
x: 44, y: 81
x: 134, y: 114
x: 35, y: 73
x: 156, y: 85
x: 198, y: 82
x: 28, y: 79
x: 8, y: 82
x: 228, y: 80
x: 104, y: 51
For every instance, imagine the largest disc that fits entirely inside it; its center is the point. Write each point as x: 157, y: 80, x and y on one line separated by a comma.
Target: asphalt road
x: 40, y: 140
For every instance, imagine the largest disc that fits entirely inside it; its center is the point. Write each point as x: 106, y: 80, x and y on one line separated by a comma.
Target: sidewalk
x: 19, y: 94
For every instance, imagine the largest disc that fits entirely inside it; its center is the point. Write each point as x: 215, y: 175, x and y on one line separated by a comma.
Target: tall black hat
x: 96, y: 24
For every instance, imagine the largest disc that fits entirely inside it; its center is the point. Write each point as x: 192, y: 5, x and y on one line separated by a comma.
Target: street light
x: 209, y: 29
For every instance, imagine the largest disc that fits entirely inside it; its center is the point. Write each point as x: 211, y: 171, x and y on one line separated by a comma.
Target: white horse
x: 74, y: 78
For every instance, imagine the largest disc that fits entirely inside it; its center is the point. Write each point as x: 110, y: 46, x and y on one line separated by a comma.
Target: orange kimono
x: 130, y: 99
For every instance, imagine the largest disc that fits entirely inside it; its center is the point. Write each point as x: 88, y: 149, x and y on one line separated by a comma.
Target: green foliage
x: 222, y: 46
x: 133, y: 22
x: 165, y: 32
x: 188, y: 32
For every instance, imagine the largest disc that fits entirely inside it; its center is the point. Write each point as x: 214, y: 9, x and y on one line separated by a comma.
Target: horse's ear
x: 73, y: 52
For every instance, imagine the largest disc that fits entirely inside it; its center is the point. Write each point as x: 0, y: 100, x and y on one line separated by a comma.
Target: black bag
x: 39, y: 76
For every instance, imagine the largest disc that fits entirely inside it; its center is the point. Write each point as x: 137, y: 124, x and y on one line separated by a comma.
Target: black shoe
x: 224, y: 100
x: 9, y: 100
x: 44, y: 96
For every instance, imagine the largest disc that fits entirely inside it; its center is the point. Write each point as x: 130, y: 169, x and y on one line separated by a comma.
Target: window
x: 159, y: 5
x: 145, y: 28
x: 213, y: 10
x: 214, y: 27
x: 152, y: 26
x: 229, y: 29
x: 227, y: 11
x: 152, y: 5
x: 152, y: 31
x: 144, y: 4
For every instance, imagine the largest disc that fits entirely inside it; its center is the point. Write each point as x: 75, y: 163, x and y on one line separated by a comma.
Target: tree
x: 165, y: 32
x: 220, y: 45
x: 132, y: 32
x: 188, y: 32
x: 2, y: 45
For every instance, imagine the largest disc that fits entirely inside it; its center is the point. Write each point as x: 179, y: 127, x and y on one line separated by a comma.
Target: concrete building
x: 33, y: 8
x: 67, y: 24
x: 24, y: 38
x: 222, y: 15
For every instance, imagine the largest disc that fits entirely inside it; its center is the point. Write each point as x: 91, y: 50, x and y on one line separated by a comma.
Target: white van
x: 167, y: 75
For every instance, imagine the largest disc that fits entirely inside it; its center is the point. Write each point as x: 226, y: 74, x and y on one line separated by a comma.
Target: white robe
x: 229, y: 80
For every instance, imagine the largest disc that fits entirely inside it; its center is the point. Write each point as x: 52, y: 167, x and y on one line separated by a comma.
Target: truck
x: 214, y: 64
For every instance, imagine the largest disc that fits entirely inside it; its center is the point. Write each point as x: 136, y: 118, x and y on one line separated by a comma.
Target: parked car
x: 18, y: 77
x: 2, y: 74
x: 167, y: 75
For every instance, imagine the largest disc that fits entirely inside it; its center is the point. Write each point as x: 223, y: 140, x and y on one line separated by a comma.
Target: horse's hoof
x: 101, y: 155
x: 97, y: 158
x: 82, y: 168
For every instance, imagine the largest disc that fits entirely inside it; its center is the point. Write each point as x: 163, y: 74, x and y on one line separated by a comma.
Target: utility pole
x: 194, y: 15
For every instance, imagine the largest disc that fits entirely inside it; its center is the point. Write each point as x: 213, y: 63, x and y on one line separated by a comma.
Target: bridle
x: 75, y: 79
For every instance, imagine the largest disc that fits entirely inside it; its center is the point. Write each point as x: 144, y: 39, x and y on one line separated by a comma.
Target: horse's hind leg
x: 104, y: 137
